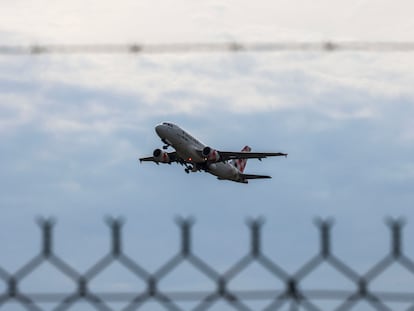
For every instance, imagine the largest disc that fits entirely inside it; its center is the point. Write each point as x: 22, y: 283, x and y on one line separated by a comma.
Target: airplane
x: 196, y: 156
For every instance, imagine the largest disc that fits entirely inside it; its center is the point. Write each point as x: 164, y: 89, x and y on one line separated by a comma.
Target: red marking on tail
x: 241, y: 163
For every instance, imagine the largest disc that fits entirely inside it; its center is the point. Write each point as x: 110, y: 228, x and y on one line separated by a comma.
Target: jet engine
x: 161, y: 156
x: 211, y: 154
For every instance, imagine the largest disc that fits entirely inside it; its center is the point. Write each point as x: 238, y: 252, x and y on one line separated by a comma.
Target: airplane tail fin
x: 240, y: 164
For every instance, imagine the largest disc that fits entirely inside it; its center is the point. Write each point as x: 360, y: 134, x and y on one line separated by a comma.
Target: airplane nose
x: 159, y: 129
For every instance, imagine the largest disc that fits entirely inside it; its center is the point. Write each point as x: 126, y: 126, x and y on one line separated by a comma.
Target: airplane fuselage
x: 187, y: 147
x: 196, y: 156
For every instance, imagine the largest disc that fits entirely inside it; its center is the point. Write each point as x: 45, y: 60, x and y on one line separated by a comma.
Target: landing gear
x: 188, y: 168
x: 165, y: 147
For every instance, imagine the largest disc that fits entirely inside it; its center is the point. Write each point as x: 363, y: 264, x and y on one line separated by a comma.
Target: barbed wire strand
x: 229, y: 47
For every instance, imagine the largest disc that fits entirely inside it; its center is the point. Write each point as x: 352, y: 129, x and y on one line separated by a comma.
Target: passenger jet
x: 196, y: 156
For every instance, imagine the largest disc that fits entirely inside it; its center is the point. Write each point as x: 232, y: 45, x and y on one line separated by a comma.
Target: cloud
x: 102, y: 21
x: 91, y: 98
x: 239, y: 84
x: 196, y: 84
x: 70, y: 186
x: 72, y: 127
x: 101, y: 109
x: 15, y: 111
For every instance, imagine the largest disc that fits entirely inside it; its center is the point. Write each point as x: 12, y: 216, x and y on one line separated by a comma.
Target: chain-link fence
x: 291, y: 295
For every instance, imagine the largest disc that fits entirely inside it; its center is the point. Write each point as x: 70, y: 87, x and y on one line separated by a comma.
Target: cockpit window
x: 167, y: 124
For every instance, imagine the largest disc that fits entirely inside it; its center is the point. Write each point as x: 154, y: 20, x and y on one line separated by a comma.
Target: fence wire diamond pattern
x: 291, y: 295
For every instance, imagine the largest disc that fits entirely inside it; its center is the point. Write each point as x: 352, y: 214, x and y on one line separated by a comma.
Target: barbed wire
x: 291, y: 292
x: 229, y: 47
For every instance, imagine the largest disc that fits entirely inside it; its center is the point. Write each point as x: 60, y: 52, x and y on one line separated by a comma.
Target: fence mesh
x: 290, y: 295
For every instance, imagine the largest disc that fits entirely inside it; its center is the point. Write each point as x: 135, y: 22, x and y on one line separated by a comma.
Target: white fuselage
x: 188, y: 148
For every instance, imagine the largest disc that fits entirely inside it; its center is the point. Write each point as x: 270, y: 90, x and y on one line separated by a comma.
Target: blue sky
x: 72, y: 128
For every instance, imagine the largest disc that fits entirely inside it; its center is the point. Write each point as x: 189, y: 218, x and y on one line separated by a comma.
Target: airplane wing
x: 228, y: 155
x: 250, y: 176
x: 169, y: 158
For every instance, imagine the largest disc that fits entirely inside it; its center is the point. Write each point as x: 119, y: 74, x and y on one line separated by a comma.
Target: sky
x: 73, y: 126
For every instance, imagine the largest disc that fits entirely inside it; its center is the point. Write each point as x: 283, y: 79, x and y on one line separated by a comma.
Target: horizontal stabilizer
x: 250, y: 176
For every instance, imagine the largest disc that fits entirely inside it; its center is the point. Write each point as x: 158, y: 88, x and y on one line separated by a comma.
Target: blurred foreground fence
x: 210, y: 47
x: 289, y: 296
